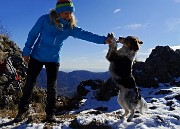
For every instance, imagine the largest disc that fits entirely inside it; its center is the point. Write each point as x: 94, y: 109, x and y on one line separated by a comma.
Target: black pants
x: 34, y: 68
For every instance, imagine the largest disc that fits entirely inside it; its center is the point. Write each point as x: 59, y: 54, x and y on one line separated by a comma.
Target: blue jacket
x: 45, y: 40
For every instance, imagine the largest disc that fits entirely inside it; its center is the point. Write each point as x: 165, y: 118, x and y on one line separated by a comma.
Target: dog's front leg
x: 112, y: 52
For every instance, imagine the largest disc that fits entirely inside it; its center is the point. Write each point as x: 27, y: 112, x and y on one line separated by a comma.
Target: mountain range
x: 67, y: 82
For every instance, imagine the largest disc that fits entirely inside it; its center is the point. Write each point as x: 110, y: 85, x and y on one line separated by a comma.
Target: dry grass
x: 8, y: 113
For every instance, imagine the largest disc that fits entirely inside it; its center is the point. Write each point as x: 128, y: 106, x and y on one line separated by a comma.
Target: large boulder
x: 162, y: 66
x: 103, y: 90
x: 12, y: 73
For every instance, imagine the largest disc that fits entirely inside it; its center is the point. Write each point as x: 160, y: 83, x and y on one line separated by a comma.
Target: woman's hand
x: 26, y: 58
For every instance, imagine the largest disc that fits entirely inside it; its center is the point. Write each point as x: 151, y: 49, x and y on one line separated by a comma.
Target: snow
x: 159, y: 117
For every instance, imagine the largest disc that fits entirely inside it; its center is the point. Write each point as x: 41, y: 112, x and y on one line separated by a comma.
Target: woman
x: 43, y: 47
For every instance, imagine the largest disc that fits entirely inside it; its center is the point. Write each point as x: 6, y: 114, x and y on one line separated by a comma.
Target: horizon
x: 156, y: 23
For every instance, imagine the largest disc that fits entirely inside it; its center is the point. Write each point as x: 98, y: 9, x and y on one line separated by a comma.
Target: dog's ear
x: 120, y: 38
x: 135, y: 38
x: 140, y: 42
x: 111, y: 35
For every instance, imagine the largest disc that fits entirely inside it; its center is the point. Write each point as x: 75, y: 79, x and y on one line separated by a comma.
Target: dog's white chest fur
x: 125, y: 51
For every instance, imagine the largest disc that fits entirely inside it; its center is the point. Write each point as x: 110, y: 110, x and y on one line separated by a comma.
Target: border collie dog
x: 121, y: 61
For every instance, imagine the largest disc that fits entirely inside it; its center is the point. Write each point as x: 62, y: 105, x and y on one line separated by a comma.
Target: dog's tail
x: 142, y: 104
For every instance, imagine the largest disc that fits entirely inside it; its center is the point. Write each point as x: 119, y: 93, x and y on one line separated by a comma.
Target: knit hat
x: 64, y: 5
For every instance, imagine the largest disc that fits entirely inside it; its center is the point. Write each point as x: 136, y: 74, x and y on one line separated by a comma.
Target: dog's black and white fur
x: 121, y: 61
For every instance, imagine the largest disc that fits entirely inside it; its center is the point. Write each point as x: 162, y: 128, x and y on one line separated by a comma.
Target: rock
x: 174, y: 82
x: 163, y: 92
x: 153, y: 107
x: 177, y: 97
x: 104, y: 90
x: 161, y: 66
x: 107, y: 90
x: 11, y: 84
x: 92, y: 125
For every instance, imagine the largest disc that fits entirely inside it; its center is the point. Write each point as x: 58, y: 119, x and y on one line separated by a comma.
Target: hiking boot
x: 51, y: 119
x: 20, y: 116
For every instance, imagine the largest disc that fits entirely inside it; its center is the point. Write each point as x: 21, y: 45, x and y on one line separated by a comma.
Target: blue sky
x: 155, y: 22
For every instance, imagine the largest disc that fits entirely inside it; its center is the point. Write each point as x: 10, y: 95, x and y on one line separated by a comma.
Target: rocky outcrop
x: 12, y: 81
x: 162, y: 66
x: 11, y: 84
x: 103, y: 90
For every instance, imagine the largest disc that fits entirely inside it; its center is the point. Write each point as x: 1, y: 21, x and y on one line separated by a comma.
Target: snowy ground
x: 162, y: 113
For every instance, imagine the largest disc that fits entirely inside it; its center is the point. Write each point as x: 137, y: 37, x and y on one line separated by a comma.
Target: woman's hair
x: 54, y: 17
